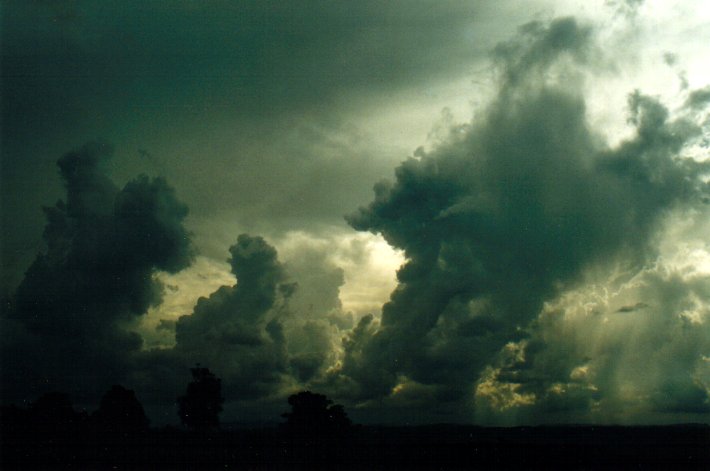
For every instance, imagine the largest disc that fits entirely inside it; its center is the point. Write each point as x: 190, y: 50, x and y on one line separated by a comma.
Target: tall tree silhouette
x: 314, y: 414
x: 120, y: 413
x: 199, y: 408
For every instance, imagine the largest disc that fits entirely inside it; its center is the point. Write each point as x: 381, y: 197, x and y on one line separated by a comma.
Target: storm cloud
x: 237, y: 331
x: 273, y: 332
x: 247, y: 108
x: 511, y: 211
x: 549, y: 237
x: 79, y: 297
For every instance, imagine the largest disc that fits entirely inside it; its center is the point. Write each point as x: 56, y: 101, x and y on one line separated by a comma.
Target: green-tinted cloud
x: 508, y: 213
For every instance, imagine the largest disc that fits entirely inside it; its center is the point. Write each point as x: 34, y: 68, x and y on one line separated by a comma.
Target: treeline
x: 51, y: 433
x: 316, y: 434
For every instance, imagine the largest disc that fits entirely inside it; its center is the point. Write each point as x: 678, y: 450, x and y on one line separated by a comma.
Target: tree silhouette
x: 199, y: 408
x: 120, y: 413
x: 314, y: 414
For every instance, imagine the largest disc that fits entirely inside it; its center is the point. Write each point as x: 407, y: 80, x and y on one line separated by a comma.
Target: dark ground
x: 425, y: 447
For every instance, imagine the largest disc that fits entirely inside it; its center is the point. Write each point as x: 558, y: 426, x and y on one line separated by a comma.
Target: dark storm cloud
x: 222, y: 58
x: 503, y: 215
x: 686, y: 396
x: 260, y: 335
x: 273, y: 51
x: 265, y: 336
x: 69, y: 325
x: 237, y: 315
x: 633, y: 307
x: 698, y: 99
x: 140, y: 72
x: 356, y: 377
x: 508, y: 212
x: 103, y: 246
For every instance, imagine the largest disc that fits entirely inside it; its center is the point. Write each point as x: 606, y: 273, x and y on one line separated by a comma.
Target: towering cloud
x: 76, y: 303
x: 509, y: 212
x: 265, y: 336
x: 237, y: 330
x: 71, y: 325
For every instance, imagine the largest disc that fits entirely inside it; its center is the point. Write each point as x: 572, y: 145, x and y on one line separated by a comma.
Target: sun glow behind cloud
x: 181, y: 291
x: 369, y: 264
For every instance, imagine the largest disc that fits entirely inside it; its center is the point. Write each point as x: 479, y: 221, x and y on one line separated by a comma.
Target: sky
x: 430, y: 211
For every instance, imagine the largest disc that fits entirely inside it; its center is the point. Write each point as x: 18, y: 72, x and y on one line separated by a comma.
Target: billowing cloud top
x: 103, y: 247
x: 511, y: 211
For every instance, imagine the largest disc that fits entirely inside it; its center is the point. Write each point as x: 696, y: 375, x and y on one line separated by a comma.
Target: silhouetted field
x: 426, y: 447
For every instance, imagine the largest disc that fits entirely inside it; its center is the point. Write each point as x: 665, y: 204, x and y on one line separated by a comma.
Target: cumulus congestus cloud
x: 237, y: 330
x: 509, y: 212
x: 266, y: 335
x: 76, y: 303
x: 72, y: 324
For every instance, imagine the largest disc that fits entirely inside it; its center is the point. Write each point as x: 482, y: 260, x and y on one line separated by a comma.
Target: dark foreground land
x: 425, y: 447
